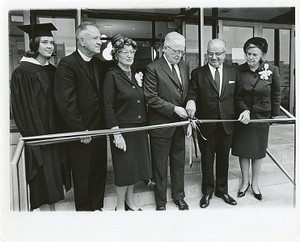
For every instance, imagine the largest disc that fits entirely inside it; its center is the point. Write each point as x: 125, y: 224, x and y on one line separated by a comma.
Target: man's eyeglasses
x: 126, y: 52
x: 177, y: 52
x: 218, y: 54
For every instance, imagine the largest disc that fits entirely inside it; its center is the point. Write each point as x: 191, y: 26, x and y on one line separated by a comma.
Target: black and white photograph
x: 149, y: 121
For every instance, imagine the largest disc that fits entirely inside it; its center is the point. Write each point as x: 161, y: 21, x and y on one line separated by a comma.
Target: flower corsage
x: 264, y: 74
x: 139, y: 78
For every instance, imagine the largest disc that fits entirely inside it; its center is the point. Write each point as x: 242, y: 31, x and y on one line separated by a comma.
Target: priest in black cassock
x: 35, y: 113
x: 78, y: 90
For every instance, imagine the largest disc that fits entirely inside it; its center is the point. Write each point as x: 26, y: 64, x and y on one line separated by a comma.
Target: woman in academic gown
x: 35, y: 113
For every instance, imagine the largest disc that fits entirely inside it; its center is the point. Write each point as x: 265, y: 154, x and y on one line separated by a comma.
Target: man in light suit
x: 211, y: 96
x: 78, y: 93
x: 165, y: 89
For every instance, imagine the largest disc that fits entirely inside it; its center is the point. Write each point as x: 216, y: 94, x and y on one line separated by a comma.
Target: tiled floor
x: 277, y: 190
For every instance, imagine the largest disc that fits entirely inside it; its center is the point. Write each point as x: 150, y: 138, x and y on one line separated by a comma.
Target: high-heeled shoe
x: 127, y: 208
x: 241, y: 194
x: 258, y: 196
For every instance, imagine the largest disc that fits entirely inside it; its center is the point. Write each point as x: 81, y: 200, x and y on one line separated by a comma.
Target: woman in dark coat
x: 257, y: 97
x: 125, y: 107
x: 35, y: 113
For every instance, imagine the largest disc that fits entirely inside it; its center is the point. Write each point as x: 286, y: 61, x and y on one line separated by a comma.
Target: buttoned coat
x: 124, y: 99
x: 209, y: 104
x: 163, y: 93
x: 125, y: 106
x: 256, y: 94
x: 260, y: 94
x: 79, y: 94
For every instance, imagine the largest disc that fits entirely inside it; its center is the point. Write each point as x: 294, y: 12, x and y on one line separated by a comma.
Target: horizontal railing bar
x: 73, y: 136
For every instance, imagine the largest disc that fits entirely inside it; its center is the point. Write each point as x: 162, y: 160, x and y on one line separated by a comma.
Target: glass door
x: 279, y: 54
x: 281, y: 50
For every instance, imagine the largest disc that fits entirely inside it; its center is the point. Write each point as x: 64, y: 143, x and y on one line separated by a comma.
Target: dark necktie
x: 175, y: 74
x: 217, y: 79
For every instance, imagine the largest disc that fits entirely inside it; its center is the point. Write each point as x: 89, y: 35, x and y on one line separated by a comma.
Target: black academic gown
x: 35, y: 113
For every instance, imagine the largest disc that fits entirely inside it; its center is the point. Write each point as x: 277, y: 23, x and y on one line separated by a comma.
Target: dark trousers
x: 217, y: 144
x: 162, y: 150
x: 88, y: 164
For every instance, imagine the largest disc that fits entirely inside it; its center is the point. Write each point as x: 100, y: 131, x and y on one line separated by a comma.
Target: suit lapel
x: 122, y: 74
x: 183, y: 75
x: 167, y: 70
x: 225, y: 80
x: 210, y: 77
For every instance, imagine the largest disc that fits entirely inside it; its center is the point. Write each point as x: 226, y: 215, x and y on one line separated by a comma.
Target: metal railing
x: 19, y: 188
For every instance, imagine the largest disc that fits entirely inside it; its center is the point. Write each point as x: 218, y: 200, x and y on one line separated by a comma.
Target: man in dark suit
x: 78, y: 93
x: 211, y: 96
x: 165, y: 89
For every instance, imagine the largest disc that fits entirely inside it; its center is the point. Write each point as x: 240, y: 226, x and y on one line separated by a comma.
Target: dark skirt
x: 133, y: 165
x: 251, y: 140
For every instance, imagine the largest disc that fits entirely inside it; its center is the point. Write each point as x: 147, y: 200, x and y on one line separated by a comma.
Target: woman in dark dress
x: 257, y: 97
x: 125, y: 107
x: 35, y: 113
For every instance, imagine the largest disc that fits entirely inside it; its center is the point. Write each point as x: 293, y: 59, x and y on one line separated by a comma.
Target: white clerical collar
x: 33, y: 61
x: 84, y: 57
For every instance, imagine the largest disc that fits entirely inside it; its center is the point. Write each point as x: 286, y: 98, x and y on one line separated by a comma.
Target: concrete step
x: 273, y: 184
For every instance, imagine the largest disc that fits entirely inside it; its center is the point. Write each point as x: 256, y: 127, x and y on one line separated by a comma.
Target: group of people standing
x: 84, y: 94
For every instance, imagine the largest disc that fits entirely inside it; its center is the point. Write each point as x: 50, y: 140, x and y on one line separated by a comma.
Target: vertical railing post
x: 15, y: 186
x: 294, y: 200
x: 288, y: 114
x: 24, y: 204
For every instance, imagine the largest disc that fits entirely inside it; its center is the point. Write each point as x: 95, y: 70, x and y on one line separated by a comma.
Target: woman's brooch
x: 139, y: 78
x: 264, y: 75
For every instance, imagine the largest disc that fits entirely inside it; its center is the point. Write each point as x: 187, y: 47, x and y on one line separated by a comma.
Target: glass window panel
x: 16, y: 40
x: 235, y: 38
x: 161, y: 28
x: 284, y: 60
x: 268, y: 34
x: 64, y: 37
x: 207, y: 35
x: 284, y: 66
x: 192, y: 46
x: 16, y: 49
x: 130, y: 28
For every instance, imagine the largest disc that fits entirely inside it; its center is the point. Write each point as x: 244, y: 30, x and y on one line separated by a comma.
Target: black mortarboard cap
x: 38, y: 30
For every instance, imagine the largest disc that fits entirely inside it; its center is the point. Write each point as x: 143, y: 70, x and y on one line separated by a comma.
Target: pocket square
x: 231, y: 82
